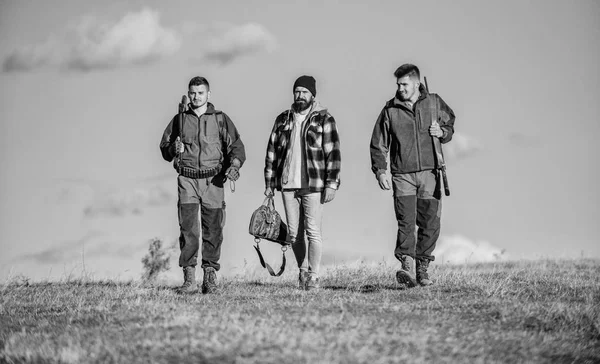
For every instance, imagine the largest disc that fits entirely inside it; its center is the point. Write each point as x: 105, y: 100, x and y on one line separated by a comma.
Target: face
x: 198, y: 95
x: 407, y: 87
x: 302, y: 98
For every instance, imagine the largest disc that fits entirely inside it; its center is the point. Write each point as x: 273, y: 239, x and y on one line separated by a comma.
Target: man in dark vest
x: 207, y: 150
x: 404, y: 129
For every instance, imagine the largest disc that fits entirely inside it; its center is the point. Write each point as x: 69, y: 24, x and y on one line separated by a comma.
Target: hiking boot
x: 422, y: 276
x: 406, y: 275
x: 209, y: 282
x: 312, y: 283
x: 302, y: 279
x: 189, y: 280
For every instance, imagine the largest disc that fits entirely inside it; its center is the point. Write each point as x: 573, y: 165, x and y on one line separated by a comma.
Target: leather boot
x: 406, y: 274
x: 302, y: 279
x: 312, y: 283
x: 209, y: 282
x: 422, y: 275
x: 189, y: 280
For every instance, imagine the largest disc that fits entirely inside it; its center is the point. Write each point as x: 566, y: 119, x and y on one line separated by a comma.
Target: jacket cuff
x: 332, y: 184
x: 235, y: 162
x: 172, y: 150
x: 270, y: 183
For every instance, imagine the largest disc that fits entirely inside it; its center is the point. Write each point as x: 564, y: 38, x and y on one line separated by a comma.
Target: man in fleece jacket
x: 404, y: 130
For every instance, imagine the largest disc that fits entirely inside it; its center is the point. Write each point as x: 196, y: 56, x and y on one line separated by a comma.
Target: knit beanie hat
x: 307, y: 82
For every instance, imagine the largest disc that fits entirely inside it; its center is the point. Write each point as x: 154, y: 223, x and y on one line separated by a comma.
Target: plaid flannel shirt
x: 321, y: 145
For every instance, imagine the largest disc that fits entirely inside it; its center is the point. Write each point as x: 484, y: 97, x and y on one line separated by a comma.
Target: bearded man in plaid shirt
x: 303, y: 162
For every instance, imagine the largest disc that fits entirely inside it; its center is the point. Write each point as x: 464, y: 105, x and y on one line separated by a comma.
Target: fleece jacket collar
x: 210, y: 109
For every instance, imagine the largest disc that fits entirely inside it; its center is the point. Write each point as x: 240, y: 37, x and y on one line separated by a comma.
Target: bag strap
x: 266, y: 265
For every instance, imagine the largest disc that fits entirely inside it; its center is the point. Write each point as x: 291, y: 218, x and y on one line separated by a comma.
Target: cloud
x: 92, y: 245
x: 227, y: 44
x: 125, y: 202
x: 137, y: 38
x: 101, y: 199
x: 30, y: 57
x: 458, y: 249
x: 461, y: 146
x: 523, y: 140
x: 63, y: 252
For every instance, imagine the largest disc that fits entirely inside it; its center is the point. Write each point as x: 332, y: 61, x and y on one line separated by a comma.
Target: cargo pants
x: 417, y: 203
x: 207, y: 197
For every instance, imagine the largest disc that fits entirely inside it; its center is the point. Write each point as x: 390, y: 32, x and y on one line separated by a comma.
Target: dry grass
x: 543, y: 311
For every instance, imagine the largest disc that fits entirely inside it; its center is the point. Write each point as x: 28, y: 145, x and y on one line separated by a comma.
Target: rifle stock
x: 439, y: 154
x: 181, y: 110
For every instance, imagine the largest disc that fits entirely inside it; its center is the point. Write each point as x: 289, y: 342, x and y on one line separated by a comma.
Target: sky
x: 87, y: 88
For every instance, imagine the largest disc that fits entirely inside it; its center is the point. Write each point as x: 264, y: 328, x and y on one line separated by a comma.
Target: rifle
x: 181, y: 111
x: 439, y: 154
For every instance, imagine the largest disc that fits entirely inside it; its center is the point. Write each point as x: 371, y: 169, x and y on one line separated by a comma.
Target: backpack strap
x: 220, y: 120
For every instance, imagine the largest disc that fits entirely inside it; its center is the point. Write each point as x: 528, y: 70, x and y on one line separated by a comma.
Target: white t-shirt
x: 297, y: 176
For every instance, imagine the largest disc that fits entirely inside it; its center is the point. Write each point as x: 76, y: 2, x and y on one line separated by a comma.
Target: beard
x: 402, y: 96
x: 196, y: 104
x: 301, y: 105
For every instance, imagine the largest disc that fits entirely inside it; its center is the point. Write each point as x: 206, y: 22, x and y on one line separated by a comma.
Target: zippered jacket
x: 321, y: 148
x: 210, y: 140
x: 404, y: 134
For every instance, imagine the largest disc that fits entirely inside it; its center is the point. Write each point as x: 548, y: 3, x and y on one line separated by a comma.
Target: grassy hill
x: 538, y: 311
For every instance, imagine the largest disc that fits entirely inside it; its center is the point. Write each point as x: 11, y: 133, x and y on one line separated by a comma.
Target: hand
x: 179, y: 147
x: 384, y: 181
x: 233, y: 173
x: 435, y: 130
x: 328, y: 195
x: 269, y: 192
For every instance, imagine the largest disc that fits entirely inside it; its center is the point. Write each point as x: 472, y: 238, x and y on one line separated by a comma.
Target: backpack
x: 266, y: 223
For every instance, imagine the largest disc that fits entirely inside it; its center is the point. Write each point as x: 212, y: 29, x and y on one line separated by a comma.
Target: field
x: 544, y: 311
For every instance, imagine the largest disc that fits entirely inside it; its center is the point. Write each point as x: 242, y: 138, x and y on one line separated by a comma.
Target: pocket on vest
x: 210, y: 151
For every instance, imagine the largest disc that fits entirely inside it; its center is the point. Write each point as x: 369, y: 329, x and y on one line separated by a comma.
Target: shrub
x: 156, y: 261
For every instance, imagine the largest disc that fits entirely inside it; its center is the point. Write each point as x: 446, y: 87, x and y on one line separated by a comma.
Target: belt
x: 205, y: 173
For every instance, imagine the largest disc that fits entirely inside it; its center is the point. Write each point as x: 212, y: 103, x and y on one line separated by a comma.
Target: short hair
x: 198, y: 81
x: 408, y: 69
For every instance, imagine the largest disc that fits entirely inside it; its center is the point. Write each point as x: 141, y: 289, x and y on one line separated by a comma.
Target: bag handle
x: 269, y: 202
x: 266, y: 265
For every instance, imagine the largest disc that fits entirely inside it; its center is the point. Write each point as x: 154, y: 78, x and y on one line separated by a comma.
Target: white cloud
x: 458, y: 249
x: 91, y: 246
x: 30, y: 57
x: 126, y: 202
x: 67, y: 250
x: 137, y: 38
x: 233, y: 42
x: 523, y: 140
x: 461, y: 146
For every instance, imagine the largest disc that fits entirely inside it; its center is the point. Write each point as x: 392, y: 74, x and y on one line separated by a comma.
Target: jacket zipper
x: 417, y: 127
x: 199, y: 138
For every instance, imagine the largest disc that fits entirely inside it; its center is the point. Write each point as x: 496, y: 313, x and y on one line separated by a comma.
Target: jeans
x: 416, y: 204
x: 304, y: 211
x: 204, y: 196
